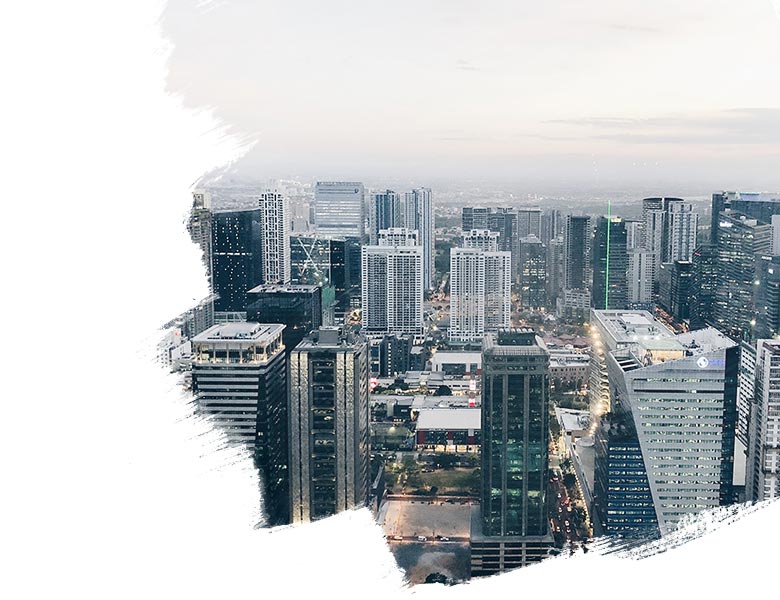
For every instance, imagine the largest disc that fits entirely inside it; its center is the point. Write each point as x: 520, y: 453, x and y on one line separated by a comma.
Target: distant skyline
x: 617, y: 92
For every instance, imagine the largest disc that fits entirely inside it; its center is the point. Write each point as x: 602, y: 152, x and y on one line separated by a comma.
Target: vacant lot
x: 407, y: 518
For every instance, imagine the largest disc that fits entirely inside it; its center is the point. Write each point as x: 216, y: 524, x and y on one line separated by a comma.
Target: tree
x: 569, y: 480
x: 436, y: 578
x: 443, y: 390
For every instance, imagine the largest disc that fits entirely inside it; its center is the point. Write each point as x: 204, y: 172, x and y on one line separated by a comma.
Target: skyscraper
x: 529, y: 222
x: 694, y: 385
x: 703, y: 285
x: 392, y: 291
x: 610, y: 264
x: 239, y: 379
x: 199, y: 227
x: 419, y: 215
x: 298, y: 307
x: 329, y: 412
x: 577, y: 261
x: 762, y: 480
x: 640, y: 279
x: 386, y: 211
x: 510, y: 527
x: 740, y: 241
x: 275, y: 227
x: 236, y: 257
x: 532, y: 265
x: 767, y: 296
x: 555, y: 268
x: 680, y: 236
x: 480, y: 292
x: 340, y: 208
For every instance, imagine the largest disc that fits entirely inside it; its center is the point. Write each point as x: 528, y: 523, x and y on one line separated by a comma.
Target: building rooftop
x: 572, y: 420
x: 449, y: 418
x: 626, y: 327
x: 705, y: 340
x: 240, y: 331
x: 283, y: 289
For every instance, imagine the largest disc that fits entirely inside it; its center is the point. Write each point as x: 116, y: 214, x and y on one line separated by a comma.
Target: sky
x: 623, y: 91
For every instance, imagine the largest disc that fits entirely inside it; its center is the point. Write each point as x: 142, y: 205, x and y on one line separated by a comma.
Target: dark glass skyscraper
x: 236, y: 257
x: 703, y: 285
x: 510, y: 528
x: 299, y: 307
x: 610, y: 265
x: 577, y: 253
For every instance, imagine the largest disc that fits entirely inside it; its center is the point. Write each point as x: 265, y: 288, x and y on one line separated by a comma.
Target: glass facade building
x: 237, y: 264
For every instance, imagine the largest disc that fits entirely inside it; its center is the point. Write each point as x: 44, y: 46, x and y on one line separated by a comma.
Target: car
x: 444, y: 538
x: 422, y: 538
x: 398, y: 537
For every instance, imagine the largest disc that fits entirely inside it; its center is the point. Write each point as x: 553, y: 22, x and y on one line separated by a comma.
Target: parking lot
x: 411, y: 518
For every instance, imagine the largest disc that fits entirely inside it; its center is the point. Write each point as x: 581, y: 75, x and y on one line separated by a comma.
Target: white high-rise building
x: 480, y: 292
x: 275, y: 237
x: 392, y: 291
x: 681, y: 227
x: 762, y: 480
x: 654, y: 220
x: 340, y: 209
x: 640, y: 278
x: 419, y: 215
x: 398, y: 236
x: 483, y: 239
x: 672, y: 406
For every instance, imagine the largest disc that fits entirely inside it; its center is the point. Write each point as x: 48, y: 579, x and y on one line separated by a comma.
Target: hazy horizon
x: 614, y: 94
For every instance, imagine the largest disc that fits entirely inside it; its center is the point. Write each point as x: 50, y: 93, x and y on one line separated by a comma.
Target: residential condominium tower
x: 392, y: 292
x: 275, y: 228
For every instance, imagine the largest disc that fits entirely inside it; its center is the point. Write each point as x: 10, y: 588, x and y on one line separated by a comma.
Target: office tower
x: 199, y: 227
x: 681, y: 226
x: 775, y: 223
x: 762, y: 480
x: 635, y: 235
x: 386, y: 211
x: 640, y: 279
x: 552, y: 225
x: 331, y: 262
x: 509, y: 529
x: 398, y: 236
x: 720, y: 202
x: 474, y: 218
x: 680, y: 296
x: 317, y: 260
x: 703, y: 285
x: 529, y: 222
x: 740, y: 240
x: 611, y: 331
x: 610, y: 265
x: 577, y: 261
x: 555, y: 268
x: 759, y: 206
x: 298, y: 307
x: 676, y: 436
x: 480, y: 293
x: 533, y: 273
x: 329, y: 413
x: 767, y: 296
x: 275, y: 228
x: 236, y: 257
x: 239, y: 380
x: 482, y: 239
x: 392, y: 292
x: 420, y: 216
x: 340, y: 208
